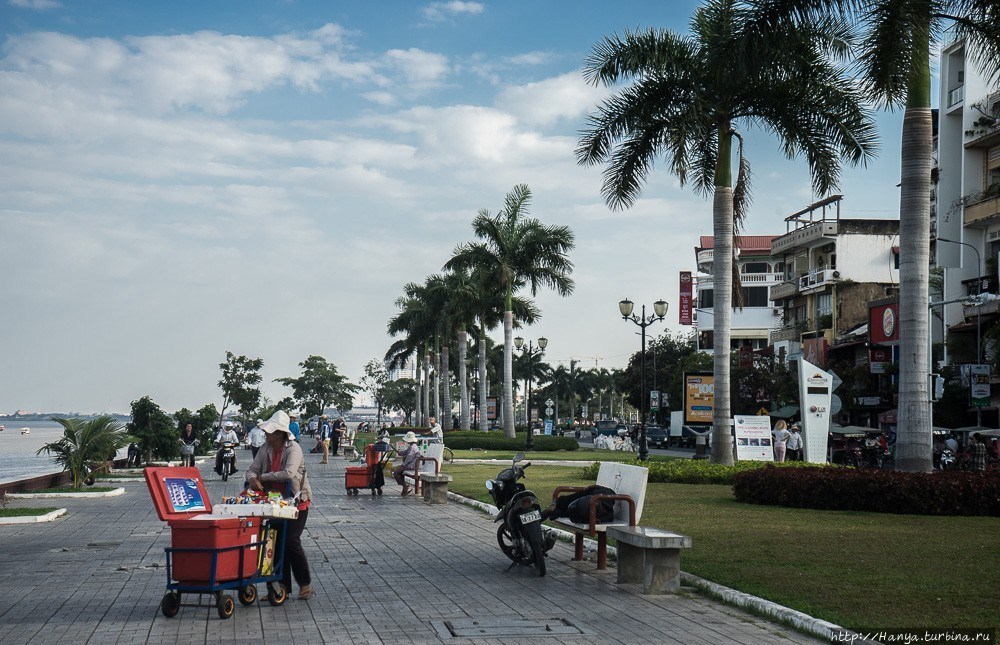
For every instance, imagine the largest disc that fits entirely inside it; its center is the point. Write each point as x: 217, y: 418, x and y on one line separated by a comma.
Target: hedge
x: 692, y: 471
x: 459, y: 440
x: 880, y: 491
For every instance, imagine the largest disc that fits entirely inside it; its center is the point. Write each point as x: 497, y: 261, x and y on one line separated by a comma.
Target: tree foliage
x: 84, y: 443
x: 400, y: 395
x: 239, y: 383
x: 154, y: 430
x: 319, y: 386
x: 201, y: 421
x: 374, y: 382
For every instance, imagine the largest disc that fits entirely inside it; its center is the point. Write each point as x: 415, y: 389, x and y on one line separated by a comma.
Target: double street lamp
x: 531, y: 352
x: 659, y: 311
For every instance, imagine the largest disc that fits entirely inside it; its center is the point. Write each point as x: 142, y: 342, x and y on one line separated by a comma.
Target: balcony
x: 982, y: 208
x: 761, y: 278
x: 705, y: 258
x: 818, y: 280
x: 956, y: 95
x: 788, y: 332
x: 784, y: 290
x: 984, y: 131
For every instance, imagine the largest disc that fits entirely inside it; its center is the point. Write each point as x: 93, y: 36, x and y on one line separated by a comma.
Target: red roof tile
x: 744, y: 242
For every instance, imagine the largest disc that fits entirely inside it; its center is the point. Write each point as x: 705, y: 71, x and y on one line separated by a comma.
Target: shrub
x: 851, y: 489
x: 458, y: 440
x: 694, y: 471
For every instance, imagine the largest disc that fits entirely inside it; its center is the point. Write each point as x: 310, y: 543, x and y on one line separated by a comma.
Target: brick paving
x: 386, y: 570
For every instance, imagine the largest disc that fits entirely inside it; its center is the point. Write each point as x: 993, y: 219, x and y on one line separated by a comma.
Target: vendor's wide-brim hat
x: 277, y: 423
x: 410, y: 437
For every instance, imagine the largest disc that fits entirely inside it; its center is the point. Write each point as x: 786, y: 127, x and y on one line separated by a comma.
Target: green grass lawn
x: 583, y: 454
x: 859, y: 570
x: 25, y: 512
x: 70, y: 489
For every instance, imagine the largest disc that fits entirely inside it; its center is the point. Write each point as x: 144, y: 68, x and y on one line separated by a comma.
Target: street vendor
x: 280, y: 467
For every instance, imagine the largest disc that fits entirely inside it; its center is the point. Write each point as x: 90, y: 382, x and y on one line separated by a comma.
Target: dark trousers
x: 335, y: 442
x: 295, y: 555
x: 253, y: 451
x: 793, y: 455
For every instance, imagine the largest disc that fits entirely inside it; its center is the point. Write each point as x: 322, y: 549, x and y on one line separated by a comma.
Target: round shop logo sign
x: 685, y: 277
x: 888, y: 322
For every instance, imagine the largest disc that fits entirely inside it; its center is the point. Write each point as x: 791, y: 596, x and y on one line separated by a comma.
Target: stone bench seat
x: 649, y: 556
x: 435, y: 487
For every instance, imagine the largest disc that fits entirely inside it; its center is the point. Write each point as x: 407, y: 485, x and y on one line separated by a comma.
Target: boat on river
x: 25, y: 430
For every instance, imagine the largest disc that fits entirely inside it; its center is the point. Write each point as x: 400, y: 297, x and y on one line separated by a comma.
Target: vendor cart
x: 233, y: 546
x: 371, y: 475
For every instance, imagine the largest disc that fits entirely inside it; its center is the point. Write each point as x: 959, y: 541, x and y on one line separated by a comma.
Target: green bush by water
x: 497, y: 441
x: 695, y: 471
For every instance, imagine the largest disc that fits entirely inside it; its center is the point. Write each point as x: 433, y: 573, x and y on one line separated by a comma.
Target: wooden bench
x: 649, y: 556
x: 629, y: 484
x: 429, y: 463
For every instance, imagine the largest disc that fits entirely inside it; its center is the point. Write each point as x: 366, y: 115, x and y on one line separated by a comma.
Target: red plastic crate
x: 210, y: 532
x: 358, y: 477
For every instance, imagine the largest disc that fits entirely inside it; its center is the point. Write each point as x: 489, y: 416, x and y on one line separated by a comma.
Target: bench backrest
x: 625, y: 480
x: 433, y: 451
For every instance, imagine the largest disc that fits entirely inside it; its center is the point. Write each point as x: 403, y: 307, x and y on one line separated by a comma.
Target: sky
x: 183, y: 179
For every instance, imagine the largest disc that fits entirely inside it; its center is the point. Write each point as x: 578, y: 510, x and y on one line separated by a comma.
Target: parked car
x: 657, y: 436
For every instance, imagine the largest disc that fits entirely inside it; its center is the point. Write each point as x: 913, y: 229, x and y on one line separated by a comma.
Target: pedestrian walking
x: 324, y: 439
x: 293, y: 424
x: 279, y: 466
x: 257, y: 438
x: 978, y: 452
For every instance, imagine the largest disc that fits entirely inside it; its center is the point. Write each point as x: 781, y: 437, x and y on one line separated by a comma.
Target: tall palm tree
x: 690, y: 94
x: 416, y: 323
x: 895, y: 55
x: 517, y: 250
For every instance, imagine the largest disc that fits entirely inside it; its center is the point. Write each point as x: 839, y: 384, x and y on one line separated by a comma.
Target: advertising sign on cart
x: 753, y: 438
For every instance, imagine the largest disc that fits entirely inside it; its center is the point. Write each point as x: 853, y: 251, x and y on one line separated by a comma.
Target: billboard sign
x: 699, y: 398
x: 684, y: 311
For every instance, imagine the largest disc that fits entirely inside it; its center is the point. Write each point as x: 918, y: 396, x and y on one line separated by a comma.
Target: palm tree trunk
x: 484, y: 422
x: 436, y: 370
x: 508, y: 380
x: 722, y: 308
x: 913, y: 436
x: 445, y: 387
x: 463, y: 377
x: 427, y: 389
x: 416, y: 378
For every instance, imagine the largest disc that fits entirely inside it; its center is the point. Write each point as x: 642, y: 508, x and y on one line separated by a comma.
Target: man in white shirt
x: 226, y: 435
x: 794, y: 452
x: 436, y: 433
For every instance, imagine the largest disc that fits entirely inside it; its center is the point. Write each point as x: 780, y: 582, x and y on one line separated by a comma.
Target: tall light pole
x: 979, y: 290
x: 531, y: 352
x: 659, y: 311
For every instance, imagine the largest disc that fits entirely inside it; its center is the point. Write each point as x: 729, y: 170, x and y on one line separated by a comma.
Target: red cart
x: 211, y: 554
x: 371, y: 475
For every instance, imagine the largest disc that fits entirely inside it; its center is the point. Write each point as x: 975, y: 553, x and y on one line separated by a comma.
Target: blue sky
x: 182, y: 179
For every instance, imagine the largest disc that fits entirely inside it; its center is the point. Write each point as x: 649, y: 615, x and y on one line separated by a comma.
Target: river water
x: 17, y: 451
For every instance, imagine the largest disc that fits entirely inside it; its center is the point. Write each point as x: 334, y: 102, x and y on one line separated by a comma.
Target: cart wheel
x: 225, y: 605
x: 170, y: 604
x: 248, y: 595
x: 276, y: 594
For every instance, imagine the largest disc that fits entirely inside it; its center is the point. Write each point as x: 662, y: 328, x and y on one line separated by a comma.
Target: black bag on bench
x: 576, y: 507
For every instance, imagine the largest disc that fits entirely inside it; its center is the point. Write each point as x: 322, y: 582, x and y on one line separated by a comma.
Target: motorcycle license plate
x: 530, y: 516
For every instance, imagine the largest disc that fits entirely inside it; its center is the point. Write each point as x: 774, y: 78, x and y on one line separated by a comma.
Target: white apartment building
x: 968, y: 187
x: 833, y: 267
x: 759, y: 271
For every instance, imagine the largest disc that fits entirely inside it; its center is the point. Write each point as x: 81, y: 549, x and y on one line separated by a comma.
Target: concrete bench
x: 435, y: 487
x: 649, y: 556
x: 629, y: 484
x: 428, y: 463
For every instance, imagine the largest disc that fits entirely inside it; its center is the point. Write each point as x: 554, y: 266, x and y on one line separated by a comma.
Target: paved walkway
x: 386, y: 570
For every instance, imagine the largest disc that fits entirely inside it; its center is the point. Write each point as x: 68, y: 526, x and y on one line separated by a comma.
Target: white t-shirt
x: 437, y: 432
x: 781, y: 436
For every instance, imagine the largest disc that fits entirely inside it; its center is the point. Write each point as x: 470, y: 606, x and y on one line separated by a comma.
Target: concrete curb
x: 33, y: 519
x: 111, y: 493
x: 113, y: 480
x: 800, y: 621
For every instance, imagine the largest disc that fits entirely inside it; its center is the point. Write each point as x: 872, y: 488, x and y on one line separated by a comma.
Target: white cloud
x: 417, y: 69
x: 441, y: 11
x: 545, y: 102
x: 38, y: 5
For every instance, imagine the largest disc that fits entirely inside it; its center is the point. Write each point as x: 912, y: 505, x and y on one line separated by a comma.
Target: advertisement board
x: 699, y: 398
x: 878, y: 359
x: 980, y: 385
x: 684, y: 311
x: 491, y: 408
x: 883, y: 323
x: 815, y: 393
x: 753, y: 438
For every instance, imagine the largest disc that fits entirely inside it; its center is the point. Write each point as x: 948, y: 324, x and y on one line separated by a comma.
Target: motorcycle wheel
x: 225, y: 472
x: 538, y: 548
x: 506, y: 542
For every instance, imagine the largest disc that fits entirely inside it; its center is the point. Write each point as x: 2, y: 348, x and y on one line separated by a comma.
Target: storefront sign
x: 980, y: 390
x: 883, y: 323
x: 878, y: 359
x: 814, y: 350
x: 684, y: 306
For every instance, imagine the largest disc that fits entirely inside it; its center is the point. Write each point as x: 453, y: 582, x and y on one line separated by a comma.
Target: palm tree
x: 895, y: 57
x: 416, y: 322
x: 517, y: 250
x: 689, y: 95
x: 84, y: 443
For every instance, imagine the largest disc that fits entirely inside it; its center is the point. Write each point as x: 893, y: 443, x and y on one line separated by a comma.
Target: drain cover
x: 498, y: 627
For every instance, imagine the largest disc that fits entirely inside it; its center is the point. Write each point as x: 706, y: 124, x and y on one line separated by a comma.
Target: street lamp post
x: 659, y: 311
x: 979, y: 290
x: 531, y: 352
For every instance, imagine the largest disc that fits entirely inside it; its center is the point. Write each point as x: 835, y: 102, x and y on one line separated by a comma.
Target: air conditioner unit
x: 776, y: 310
x: 836, y: 274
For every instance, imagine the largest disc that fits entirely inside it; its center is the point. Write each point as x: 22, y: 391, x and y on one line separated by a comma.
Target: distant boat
x: 25, y: 430
x: 2, y: 427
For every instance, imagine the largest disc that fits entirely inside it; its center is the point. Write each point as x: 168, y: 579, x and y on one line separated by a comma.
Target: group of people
x: 787, y: 442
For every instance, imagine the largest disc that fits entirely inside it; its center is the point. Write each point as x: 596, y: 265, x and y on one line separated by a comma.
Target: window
x: 755, y: 297
x: 705, y: 298
x: 756, y: 267
x: 824, y: 305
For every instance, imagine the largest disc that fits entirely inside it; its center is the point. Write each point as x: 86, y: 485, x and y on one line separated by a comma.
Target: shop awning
x: 786, y: 411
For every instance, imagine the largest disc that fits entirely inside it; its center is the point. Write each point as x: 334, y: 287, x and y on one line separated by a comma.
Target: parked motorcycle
x: 134, y: 459
x: 228, y: 460
x: 948, y: 460
x: 520, y: 534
